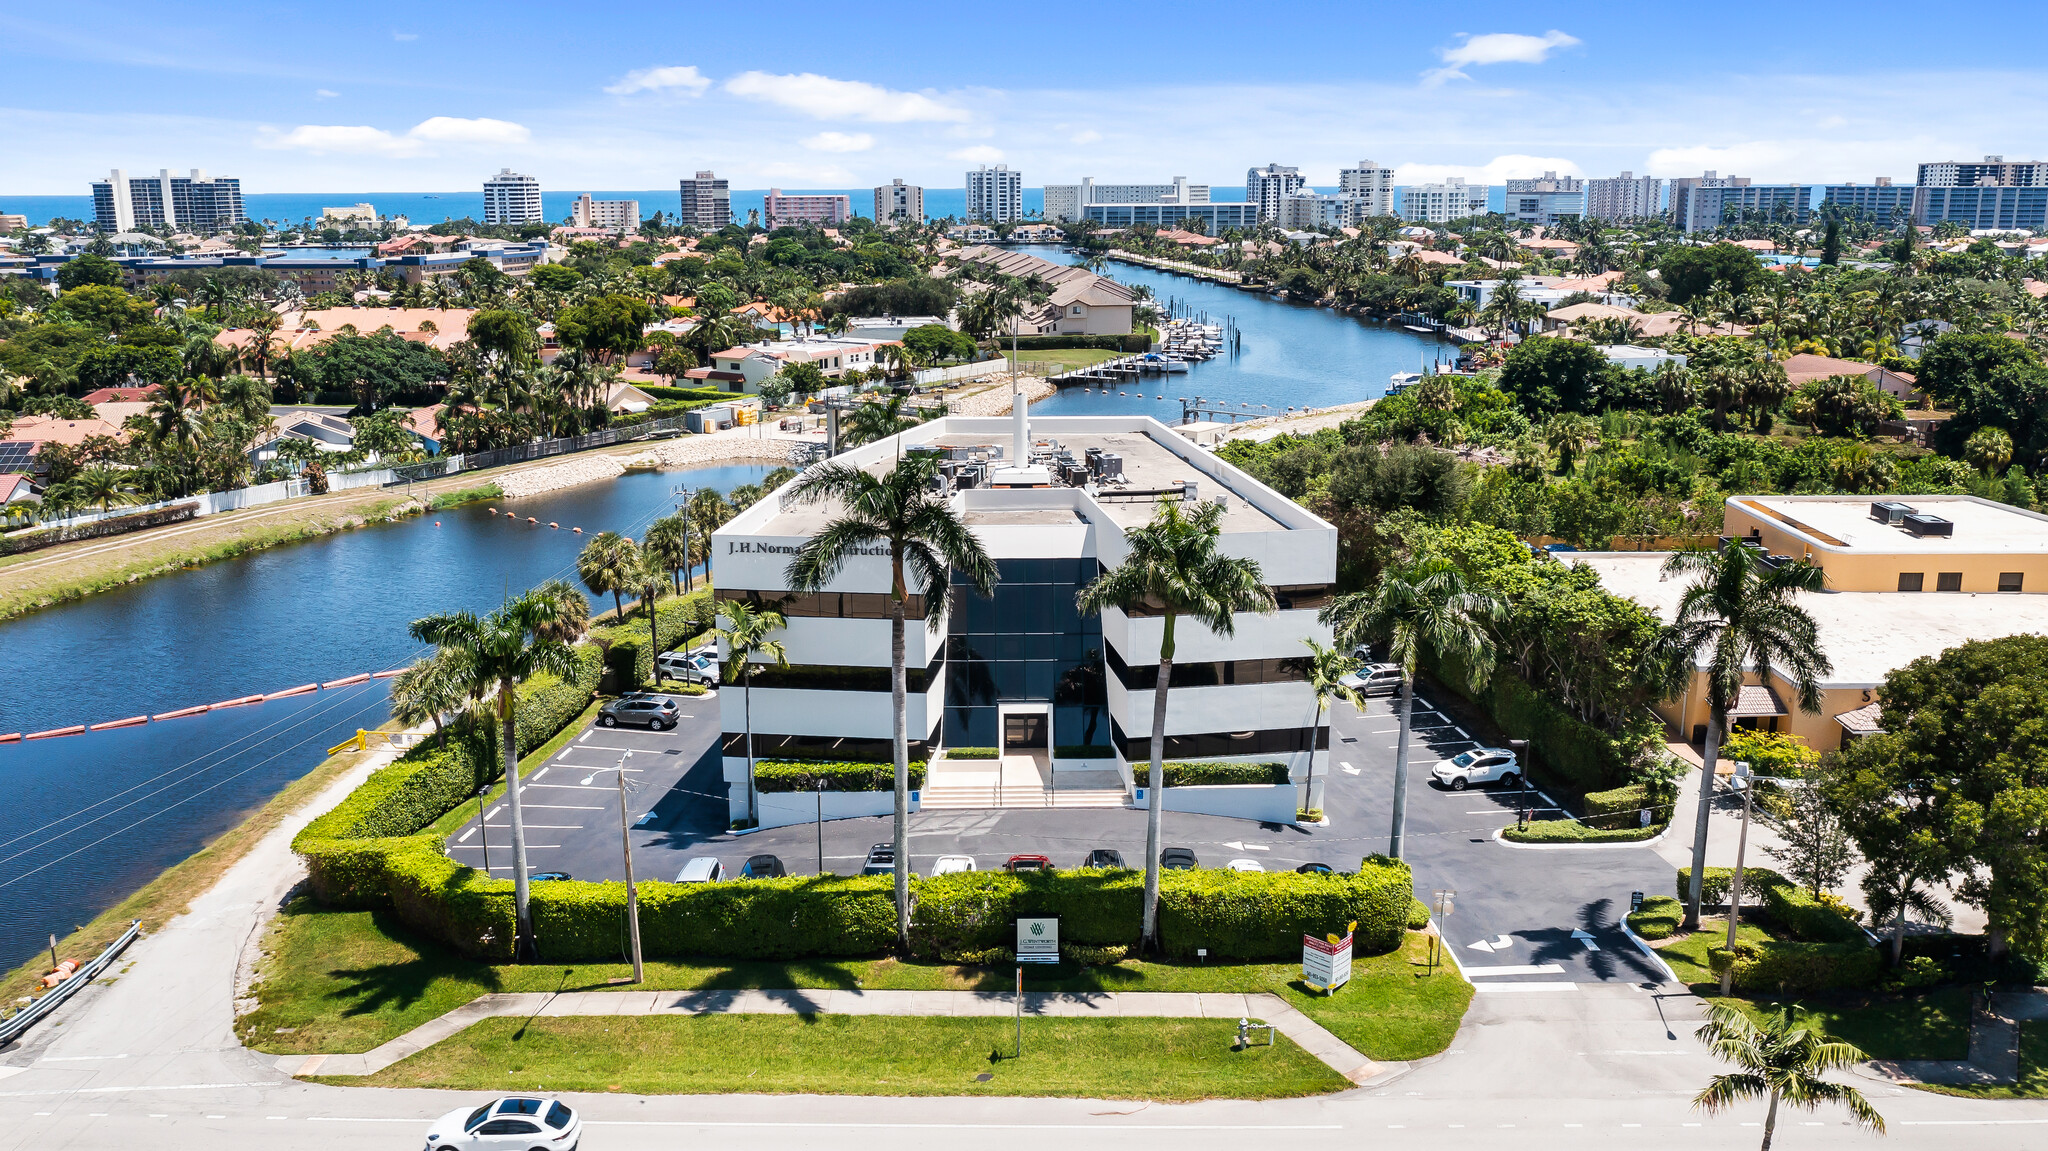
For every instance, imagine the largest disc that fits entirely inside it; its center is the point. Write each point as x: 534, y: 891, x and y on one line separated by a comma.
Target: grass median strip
x: 1166, y: 1059
x: 346, y: 981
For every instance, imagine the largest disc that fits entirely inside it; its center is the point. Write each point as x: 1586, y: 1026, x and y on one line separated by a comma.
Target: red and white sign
x: 1325, y: 965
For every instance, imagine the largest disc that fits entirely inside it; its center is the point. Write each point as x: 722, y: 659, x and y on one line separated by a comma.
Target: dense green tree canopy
x: 1692, y: 272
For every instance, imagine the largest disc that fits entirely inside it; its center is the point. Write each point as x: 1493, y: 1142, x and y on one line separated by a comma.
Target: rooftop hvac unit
x: 1925, y: 525
x: 1890, y: 512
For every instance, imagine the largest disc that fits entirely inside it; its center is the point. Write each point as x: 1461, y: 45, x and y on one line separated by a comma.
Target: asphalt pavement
x: 1523, y: 919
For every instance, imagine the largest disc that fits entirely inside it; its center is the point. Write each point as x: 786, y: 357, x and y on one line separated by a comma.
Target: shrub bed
x: 1659, y: 916
x: 1581, y: 755
x: 1573, y: 831
x: 973, y: 753
x: 804, y: 775
x: 1784, y: 966
x: 628, y: 650
x: 1216, y: 773
x: 109, y: 526
x: 1621, y: 807
x: 755, y: 919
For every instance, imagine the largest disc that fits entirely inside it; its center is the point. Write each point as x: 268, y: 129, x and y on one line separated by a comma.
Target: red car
x: 1028, y: 863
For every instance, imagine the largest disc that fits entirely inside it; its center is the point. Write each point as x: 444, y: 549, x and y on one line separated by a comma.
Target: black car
x: 1104, y: 857
x: 1316, y: 869
x: 881, y: 860
x: 657, y: 713
x: 1178, y: 859
x: 762, y: 867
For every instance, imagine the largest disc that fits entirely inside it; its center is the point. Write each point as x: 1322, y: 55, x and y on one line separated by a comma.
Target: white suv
x: 689, y: 667
x: 1480, y: 765
x: 1374, y: 679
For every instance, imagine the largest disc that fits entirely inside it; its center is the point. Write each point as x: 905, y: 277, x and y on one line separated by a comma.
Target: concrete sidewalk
x: 1258, y: 1006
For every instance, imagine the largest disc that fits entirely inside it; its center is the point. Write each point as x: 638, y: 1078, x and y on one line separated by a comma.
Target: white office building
x: 612, y: 215
x: 1546, y: 199
x: 706, y: 202
x: 510, y: 198
x: 1266, y: 187
x: 1453, y: 199
x: 1624, y: 197
x: 122, y: 203
x: 1370, y: 183
x: 1069, y: 202
x: 1320, y: 210
x: 1066, y: 697
x: 995, y: 195
x: 899, y: 203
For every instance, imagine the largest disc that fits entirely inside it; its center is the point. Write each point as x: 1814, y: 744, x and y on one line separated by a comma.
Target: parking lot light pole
x: 821, y: 827
x: 632, y: 889
x: 483, y: 827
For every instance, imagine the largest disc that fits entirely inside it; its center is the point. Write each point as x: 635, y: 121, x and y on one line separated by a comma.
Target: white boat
x: 1402, y: 381
x: 1176, y: 365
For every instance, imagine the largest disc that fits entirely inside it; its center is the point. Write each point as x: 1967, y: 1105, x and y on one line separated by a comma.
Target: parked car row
x: 881, y: 860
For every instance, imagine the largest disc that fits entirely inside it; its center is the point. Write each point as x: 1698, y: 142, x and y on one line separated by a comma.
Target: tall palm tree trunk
x: 1771, y: 1120
x: 522, y: 946
x: 900, y: 748
x: 1696, y: 889
x: 1397, y: 832
x: 1155, y: 787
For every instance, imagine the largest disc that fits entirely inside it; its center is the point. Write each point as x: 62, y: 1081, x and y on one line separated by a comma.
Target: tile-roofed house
x: 15, y: 488
x: 1804, y: 368
x: 450, y: 326
x: 120, y: 395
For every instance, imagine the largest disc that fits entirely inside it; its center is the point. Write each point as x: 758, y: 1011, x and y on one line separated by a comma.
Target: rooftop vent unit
x: 1925, y: 525
x: 1890, y: 512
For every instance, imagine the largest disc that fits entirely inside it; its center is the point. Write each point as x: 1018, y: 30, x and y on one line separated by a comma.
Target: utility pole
x: 483, y: 827
x: 1735, y: 881
x: 682, y: 494
x: 632, y: 889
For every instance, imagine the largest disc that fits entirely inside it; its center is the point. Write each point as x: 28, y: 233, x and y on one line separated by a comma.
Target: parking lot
x: 1524, y: 920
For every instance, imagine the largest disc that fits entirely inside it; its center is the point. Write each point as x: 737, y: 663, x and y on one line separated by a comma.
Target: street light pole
x: 821, y: 827
x: 1735, y: 882
x: 632, y: 889
x: 483, y: 827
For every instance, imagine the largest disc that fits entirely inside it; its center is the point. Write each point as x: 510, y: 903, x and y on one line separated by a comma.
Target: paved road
x: 1533, y: 917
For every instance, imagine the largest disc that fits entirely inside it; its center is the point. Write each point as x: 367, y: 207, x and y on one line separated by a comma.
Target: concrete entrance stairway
x: 1017, y: 781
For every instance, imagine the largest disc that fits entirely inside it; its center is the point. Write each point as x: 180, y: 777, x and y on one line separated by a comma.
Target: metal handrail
x: 29, y: 1016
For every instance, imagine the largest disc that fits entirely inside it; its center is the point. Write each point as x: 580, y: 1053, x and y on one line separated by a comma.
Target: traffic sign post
x: 1445, y: 905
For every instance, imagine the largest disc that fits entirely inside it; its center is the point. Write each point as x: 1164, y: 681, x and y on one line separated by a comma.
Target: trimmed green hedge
x: 1621, y: 807
x: 1232, y: 914
x: 973, y: 753
x: 1659, y: 917
x: 1135, y: 342
x: 686, y: 394
x: 1715, y: 889
x: 1217, y: 773
x: 1418, y: 915
x: 1573, y: 831
x: 628, y: 652
x: 1798, y: 913
x: 803, y: 775
x: 1785, y: 967
x: 747, y: 919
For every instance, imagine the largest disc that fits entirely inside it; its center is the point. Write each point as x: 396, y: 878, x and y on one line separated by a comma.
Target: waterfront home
x: 25, y: 439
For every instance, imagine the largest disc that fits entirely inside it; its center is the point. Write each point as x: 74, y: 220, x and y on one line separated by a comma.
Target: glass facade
x: 1026, y: 644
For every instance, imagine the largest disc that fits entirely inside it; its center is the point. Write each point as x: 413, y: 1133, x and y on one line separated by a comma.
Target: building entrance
x: 1024, y: 731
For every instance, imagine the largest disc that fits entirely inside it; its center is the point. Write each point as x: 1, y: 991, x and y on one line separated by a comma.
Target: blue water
x: 322, y: 253
x: 434, y: 207
x: 90, y: 818
x: 1291, y: 355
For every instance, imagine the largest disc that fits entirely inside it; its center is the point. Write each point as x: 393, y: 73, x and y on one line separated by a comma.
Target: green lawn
x: 1166, y: 1059
x: 1065, y: 357
x: 2033, y: 1080
x: 340, y: 981
x: 1688, y: 956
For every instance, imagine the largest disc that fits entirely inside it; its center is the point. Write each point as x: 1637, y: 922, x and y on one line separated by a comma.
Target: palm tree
x: 746, y: 637
x: 928, y: 543
x: 653, y: 577
x: 667, y: 543
x: 609, y: 563
x: 1989, y: 449
x: 1327, y: 667
x: 1172, y: 568
x: 1425, y: 606
x: 429, y: 689
x: 1778, y: 1061
x: 1569, y: 434
x: 1739, y: 615
x: 877, y: 420
x: 708, y: 511
x: 101, y: 486
x: 503, y: 649
x: 572, y: 611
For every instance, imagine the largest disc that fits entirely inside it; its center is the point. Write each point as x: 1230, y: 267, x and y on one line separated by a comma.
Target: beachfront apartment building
x: 611, y: 215
x: 1904, y: 579
x: 1024, y: 671
x: 1546, y: 199
x: 1064, y: 203
x: 1882, y: 201
x: 798, y: 210
x: 1993, y: 194
x: 1370, y: 184
x: 706, y: 202
x: 995, y: 195
x: 899, y: 203
x: 1702, y: 203
x: 1624, y: 197
x: 1266, y: 187
x: 512, y: 198
x: 1211, y: 219
x: 121, y: 203
x: 1453, y: 199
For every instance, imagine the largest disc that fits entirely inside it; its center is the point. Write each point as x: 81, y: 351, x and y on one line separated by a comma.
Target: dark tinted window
x: 1948, y: 581
x: 559, y: 1116
x: 1912, y: 581
x: 2010, y: 581
x: 476, y: 1117
x: 519, y: 1107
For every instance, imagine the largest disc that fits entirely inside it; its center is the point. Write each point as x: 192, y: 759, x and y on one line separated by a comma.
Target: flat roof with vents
x: 1844, y: 524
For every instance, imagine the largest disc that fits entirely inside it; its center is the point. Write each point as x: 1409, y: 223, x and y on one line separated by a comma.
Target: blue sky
x: 379, y: 96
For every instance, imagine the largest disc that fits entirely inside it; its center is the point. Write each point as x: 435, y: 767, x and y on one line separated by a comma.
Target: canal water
x: 1291, y: 355
x: 90, y: 818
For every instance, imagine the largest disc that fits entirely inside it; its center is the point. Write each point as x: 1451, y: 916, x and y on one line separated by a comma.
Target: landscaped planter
x: 1265, y: 802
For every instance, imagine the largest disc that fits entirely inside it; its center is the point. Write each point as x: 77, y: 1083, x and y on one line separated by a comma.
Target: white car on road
x: 1480, y: 765
x: 515, y: 1123
x: 1245, y: 865
x: 949, y: 864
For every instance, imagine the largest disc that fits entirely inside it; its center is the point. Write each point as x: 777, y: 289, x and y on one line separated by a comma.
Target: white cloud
x: 402, y: 37
x: 455, y: 130
x: 678, y: 76
x: 1088, y: 137
x: 979, y: 154
x: 839, y: 142
x: 1496, y: 48
x: 363, y: 140
x: 828, y: 99
x: 1495, y: 171
x: 324, y: 94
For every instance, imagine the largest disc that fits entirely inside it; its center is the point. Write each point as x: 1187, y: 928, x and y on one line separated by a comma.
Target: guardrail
x: 34, y: 1013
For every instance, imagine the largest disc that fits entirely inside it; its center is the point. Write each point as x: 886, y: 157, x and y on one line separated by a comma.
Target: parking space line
x: 568, y: 807
x: 564, y: 787
x: 538, y: 826
x: 503, y: 847
x: 467, y: 834
x: 535, y: 777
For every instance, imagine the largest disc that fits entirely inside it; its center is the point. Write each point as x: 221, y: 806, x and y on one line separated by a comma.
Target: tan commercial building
x: 1892, y: 597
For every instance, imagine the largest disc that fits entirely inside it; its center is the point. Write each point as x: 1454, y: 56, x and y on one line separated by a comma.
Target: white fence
x: 960, y: 371
x: 210, y: 503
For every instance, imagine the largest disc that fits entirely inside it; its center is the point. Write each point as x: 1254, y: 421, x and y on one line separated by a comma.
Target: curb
x: 1649, y: 952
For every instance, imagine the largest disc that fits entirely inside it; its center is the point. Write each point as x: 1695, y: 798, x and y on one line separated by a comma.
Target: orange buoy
x: 578, y: 531
x: 494, y: 511
x: 554, y: 525
x: 531, y: 520
x: 437, y: 523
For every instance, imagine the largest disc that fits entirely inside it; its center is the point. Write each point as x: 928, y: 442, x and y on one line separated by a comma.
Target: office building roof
x: 1844, y: 523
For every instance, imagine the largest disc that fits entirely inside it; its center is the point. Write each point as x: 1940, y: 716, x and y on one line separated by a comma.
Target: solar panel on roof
x: 15, y: 456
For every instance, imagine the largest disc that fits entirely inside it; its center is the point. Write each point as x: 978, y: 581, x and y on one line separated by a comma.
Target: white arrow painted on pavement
x: 1348, y: 768
x: 1585, y: 937
x: 1500, y: 942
